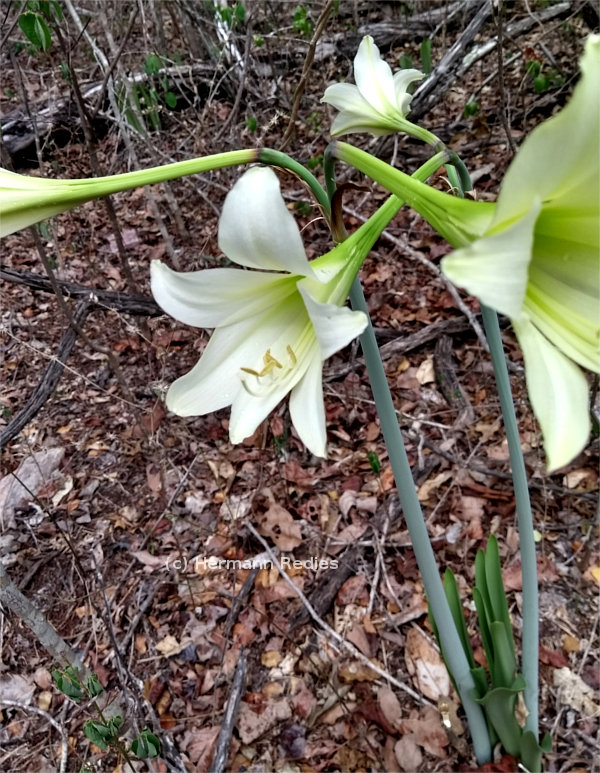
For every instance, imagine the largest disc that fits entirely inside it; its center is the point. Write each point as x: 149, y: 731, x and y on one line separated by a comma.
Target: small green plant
x: 315, y: 162
x: 314, y: 120
x: 374, y: 462
x: 231, y: 15
x: 302, y: 208
x: 471, y: 109
x: 34, y: 22
x: 251, y: 123
x: 105, y: 731
x: 498, y: 689
x: 425, y: 53
x: 405, y: 62
x: 543, y: 81
x: 302, y: 23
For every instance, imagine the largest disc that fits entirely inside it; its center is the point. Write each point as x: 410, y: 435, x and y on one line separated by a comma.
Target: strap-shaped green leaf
x: 495, y: 587
x: 505, y: 664
x: 499, y: 707
x: 532, y: 751
x: 484, y: 628
x: 456, y: 608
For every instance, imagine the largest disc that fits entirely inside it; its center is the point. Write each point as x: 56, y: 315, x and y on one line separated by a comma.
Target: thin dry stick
x: 50, y: 378
x: 339, y: 640
x: 242, y: 83
x: 499, y: 19
x: 227, y: 723
x: 40, y: 712
x: 11, y: 597
x: 319, y: 27
x: 90, y: 142
x: 105, y: 300
x: 112, y: 360
x: 405, y: 248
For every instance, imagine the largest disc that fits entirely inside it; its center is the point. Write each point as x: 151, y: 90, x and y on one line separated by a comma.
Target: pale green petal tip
x: 495, y: 268
x: 558, y: 391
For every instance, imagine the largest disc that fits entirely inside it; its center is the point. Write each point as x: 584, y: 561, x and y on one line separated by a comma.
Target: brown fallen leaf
x: 251, y: 725
x: 426, y: 729
x: 278, y: 524
x: 425, y: 665
x: 513, y: 579
x: 390, y: 706
x: 408, y: 754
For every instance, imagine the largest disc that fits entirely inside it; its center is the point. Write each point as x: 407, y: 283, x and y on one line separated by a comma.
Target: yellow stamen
x: 269, y: 361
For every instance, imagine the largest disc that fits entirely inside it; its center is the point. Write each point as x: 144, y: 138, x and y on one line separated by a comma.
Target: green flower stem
x: 77, y: 191
x: 411, y: 507
x: 277, y: 158
x: 530, y: 636
x: 157, y: 174
x: 455, y: 655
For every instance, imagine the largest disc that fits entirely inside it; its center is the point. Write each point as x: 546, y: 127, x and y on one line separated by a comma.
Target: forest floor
x: 123, y: 501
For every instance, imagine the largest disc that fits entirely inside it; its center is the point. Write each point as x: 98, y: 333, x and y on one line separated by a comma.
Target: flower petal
x: 256, y: 229
x: 307, y: 409
x: 249, y: 410
x: 563, y: 152
x: 216, y: 380
x: 335, y: 326
x: 216, y: 296
x: 558, y: 391
x: 402, y: 80
x: 353, y: 123
x: 495, y: 268
x: 374, y: 77
x: 346, y: 96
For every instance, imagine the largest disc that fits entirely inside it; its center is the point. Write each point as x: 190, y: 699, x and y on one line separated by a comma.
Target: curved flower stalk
x: 274, y: 327
x: 26, y: 200
x: 380, y: 101
x: 534, y: 255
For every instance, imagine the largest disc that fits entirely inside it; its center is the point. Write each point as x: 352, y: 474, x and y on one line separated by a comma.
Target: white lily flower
x: 539, y: 262
x: 273, y: 328
x: 534, y: 255
x: 380, y: 101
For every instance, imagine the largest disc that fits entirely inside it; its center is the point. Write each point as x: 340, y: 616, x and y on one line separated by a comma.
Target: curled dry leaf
x: 278, y: 524
x: 425, y: 665
x: 251, y: 725
x: 408, y: 754
x: 426, y: 730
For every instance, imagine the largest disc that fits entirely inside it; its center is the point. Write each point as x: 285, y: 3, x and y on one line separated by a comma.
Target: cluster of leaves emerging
x: 104, y: 732
x: 497, y: 688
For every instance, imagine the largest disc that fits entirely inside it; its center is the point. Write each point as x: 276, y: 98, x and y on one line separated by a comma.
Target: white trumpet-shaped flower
x: 534, y: 255
x: 273, y: 328
x: 379, y: 102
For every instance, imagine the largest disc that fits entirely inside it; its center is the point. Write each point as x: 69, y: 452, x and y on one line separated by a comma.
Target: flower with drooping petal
x: 273, y: 327
x: 380, y: 101
x: 26, y: 200
x: 534, y: 255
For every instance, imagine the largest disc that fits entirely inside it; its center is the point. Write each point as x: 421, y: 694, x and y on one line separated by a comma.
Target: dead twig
x: 319, y: 27
x: 334, y: 635
x: 51, y: 376
x: 64, y: 747
x: 445, y: 71
x: 227, y: 723
x: 499, y: 19
x: 136, y: 305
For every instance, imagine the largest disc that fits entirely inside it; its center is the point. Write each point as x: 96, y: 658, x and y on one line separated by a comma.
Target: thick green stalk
x: 530, y: 636
x: 457, y: 660
x: 417, y: 528
x: 277, y: 158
